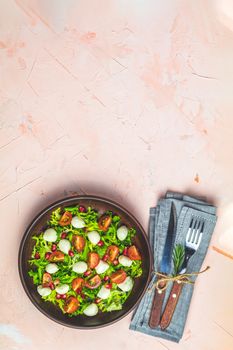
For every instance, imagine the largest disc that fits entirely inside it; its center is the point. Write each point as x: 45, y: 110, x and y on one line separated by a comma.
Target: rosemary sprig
x: 178, y: 257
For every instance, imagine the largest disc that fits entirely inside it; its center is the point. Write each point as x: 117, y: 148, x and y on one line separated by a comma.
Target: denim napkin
x: 187, y: 207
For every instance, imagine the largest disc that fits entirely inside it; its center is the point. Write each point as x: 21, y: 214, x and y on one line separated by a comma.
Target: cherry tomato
x: 106, y: 278
x: 63, y: 296
x: 82, y: 209
x: 108, y: 285
x: 46, y: 279
x: 79, y: 243
x: 58, y: 296
x: 71, y: 305
x: 112, y: 252
x: 118, y: 276
x: 65, y: 219
x: 37, y: 255
x: 104, y: 222
x: 77, y: 283
x: 133, y: 253
x: 57, y: 256
x: 93, y: 260
x: 93, y: 282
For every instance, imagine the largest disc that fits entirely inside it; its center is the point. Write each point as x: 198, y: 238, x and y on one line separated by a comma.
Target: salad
x: 85, y: 262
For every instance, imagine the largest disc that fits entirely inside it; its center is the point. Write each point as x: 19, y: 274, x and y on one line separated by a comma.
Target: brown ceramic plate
x: 82, y: 321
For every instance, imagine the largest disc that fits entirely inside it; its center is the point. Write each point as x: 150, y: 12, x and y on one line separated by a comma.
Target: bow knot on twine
x: 163, y: 280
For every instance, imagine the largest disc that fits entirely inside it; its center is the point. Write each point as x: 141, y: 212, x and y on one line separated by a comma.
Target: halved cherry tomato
x: 71, y: 305
x: 77, y: 283
x: 56, y: 256
x: 79, y: 243
x: 118, y: 276
x: 93, y: 260
x: 133, y: 253
x: 65, y: 219
x: 46, y: 279
x: 93, y: 282
x: 104, y: 222
x: 112, y: 252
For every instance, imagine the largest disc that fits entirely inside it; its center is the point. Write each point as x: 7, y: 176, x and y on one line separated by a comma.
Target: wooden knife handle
x: 171, y: 305
x: 157, y: 305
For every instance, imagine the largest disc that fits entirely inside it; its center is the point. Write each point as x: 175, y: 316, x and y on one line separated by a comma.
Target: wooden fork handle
x: 157, y: 305
x: 171, y: 305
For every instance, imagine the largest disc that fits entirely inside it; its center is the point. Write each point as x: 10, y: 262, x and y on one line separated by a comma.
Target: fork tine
x: 199, y: 240
x: 196, y: 237
x: 194, y: 231
x: 189, y: 231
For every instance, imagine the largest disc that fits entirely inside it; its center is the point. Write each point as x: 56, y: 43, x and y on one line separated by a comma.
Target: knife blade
x: 165, y: 268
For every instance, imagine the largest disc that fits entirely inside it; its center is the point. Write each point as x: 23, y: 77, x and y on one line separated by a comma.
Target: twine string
x: 162, y: 282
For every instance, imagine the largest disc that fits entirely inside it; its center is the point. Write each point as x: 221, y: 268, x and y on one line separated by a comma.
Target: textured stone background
x: 124, y: 99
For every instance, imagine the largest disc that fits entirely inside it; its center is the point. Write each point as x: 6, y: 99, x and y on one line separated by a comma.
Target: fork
x: 192, y: 242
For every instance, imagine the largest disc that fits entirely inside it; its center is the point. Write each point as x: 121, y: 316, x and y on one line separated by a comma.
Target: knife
x: 165, y: 268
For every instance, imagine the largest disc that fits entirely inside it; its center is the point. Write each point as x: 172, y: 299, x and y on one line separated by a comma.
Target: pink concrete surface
x: 124, y: 99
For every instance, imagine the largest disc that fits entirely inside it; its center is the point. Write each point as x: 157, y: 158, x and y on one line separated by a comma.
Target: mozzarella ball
x: 80, y: 267
x: 103, y: 293
x: 124, y: 260
x: 91, y: 310
x: 127, y: 285
x: 77, y: 222
x: 64, y: 245
x: 62, y: 288
x: 122, y: 233
x: 101, y: 267
x: 43, y: 291
x: 94, y: 237
x: 51, y: 268
x: 50, y: 235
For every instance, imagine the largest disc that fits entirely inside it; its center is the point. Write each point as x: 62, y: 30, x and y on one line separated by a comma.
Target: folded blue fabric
x: 187, y: 207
